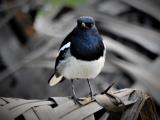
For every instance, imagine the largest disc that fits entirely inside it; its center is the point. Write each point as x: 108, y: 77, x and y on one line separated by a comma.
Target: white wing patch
x: 65, y: 46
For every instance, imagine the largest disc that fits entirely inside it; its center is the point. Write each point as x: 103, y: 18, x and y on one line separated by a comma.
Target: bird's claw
x: 77, y: 100
x: 91, y: 95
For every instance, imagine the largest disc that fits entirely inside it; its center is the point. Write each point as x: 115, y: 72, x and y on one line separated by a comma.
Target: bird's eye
x: 89, y: 25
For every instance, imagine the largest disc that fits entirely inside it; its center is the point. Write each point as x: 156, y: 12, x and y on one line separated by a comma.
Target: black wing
x: 62, y: 53
x: 61, y: 57
x: 68, y: 38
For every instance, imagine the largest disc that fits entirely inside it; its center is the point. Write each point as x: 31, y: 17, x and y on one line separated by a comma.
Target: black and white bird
x: 81, y: 54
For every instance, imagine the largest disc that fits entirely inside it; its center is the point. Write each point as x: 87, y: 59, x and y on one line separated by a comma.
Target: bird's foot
x: 91, y: 95
x: 77, y: 100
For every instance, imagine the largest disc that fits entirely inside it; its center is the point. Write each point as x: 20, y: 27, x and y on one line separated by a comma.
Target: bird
x: 81, y: 55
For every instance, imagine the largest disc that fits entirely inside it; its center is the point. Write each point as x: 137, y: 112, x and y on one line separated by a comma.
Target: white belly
x: 73, y: 68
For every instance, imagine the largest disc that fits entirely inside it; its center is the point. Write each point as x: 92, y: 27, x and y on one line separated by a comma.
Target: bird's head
x: 85, y: 22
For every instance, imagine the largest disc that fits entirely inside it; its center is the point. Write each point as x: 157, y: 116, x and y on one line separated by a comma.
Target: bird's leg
x: 75, y: 98
x: 90, y: 88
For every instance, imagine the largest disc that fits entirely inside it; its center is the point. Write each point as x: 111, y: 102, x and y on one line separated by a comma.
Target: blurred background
x: 31, y: 32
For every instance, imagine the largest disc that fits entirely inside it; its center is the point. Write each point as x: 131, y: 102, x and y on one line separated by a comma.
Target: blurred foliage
x: 58, y: 3
x: 72, y: 3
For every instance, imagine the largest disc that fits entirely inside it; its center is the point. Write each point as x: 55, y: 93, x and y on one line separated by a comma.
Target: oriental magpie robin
x: 81, y: 54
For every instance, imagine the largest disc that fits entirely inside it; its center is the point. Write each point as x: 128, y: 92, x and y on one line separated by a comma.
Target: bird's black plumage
x: 60, y: 57
x: 86, y: 43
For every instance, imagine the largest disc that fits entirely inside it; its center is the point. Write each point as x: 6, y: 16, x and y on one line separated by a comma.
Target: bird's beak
x: 83, y: 25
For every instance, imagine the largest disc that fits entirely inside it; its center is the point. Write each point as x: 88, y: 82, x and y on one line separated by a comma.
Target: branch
x: 129, y: 102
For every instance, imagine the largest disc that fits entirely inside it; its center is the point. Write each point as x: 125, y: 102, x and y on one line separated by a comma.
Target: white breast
x: 73, y: 68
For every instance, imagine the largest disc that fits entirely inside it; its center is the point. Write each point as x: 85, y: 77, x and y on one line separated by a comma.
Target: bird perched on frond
x: 81, y: 55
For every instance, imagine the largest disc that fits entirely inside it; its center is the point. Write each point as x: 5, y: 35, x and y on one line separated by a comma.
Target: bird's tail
x: 55, y: 79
